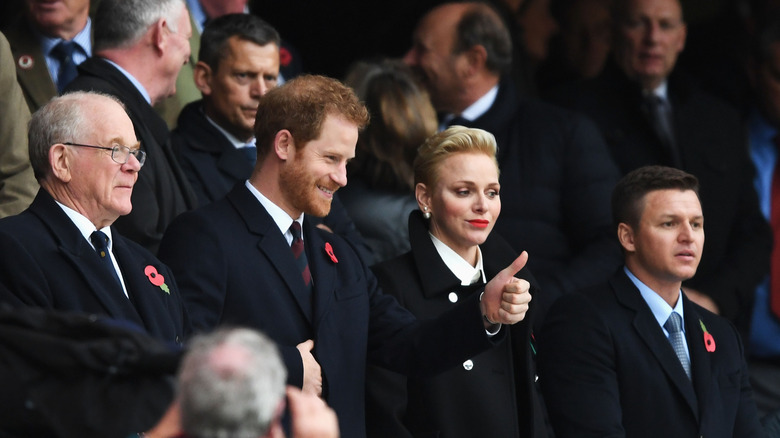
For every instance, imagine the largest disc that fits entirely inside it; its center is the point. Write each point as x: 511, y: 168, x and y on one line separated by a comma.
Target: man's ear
x: 475, y: 59
x: 626, y: 237
x: 158, y: 35
x: 202, y: 75
x: 284, y: 145
x: 60, y: 160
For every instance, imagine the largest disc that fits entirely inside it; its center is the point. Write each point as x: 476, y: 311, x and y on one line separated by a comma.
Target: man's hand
x: 312, y: 373
x: 311, y: 417
x: 506, y: 298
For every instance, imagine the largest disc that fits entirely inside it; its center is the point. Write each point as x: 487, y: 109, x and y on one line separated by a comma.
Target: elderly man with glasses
x: 63, y: 252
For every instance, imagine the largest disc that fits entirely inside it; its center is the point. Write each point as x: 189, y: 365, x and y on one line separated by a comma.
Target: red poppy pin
x: 329, y: 251
x: 156, y: 278
x: 709, y: 341
x: 285, y: 57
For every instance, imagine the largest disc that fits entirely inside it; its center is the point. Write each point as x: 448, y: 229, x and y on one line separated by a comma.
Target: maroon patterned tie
x: 299, y: 253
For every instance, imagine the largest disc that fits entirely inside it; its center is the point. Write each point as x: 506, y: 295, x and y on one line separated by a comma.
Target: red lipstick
x: 479, y: 223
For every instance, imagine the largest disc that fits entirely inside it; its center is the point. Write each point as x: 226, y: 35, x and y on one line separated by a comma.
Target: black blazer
x: 235, y: 267
x: 607, y: 370
x: 713, y: 146
x: 556, y: 179
x: 46, y: 262
x: 493, y: 394
x: 162, y: 190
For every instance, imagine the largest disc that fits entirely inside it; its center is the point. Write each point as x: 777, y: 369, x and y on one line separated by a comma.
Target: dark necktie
x: 774, y: 221
x: 64, y: 53
x: 299, y: 253
x: 458, y: 120
x: 251, y: 153
x: 660, y: 115
x: 100, y: 240
x: 674, y: 326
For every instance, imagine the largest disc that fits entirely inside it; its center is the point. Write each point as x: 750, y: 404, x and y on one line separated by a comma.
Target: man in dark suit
x: 556, y: 172
x: 137, y: 58
x: 635, y: 357
x: 254, y: 258
x: 650, y: 113
x: 86, y: 158
x: 48, y: 41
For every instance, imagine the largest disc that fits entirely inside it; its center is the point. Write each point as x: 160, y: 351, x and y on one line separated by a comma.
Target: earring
x: 426, y: 213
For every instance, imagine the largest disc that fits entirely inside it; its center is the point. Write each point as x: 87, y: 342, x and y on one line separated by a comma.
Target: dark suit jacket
x: 557, y: 177
x: 46, y: 262
x: 162, y: 190
x: 607, y: 370
x: 236, y: 268
x: 493, y: 395
x: 31, y: 70
x: 713, y: 146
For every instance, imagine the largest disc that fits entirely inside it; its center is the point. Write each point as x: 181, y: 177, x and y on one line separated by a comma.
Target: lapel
x: 701, y: 362
x: 647, y: 328
x: 273, y: 246
x: 323, y: 269
x: 31, y: 69
x: 83, y: 259
x: 148, y: 300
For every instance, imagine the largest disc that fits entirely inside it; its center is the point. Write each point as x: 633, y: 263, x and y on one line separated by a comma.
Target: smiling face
x: 666, y: 247
x: 464, y: 201
x: 650, y: 36
x: 100, y: 188
x: 231, y: 93
x: 313, y: 172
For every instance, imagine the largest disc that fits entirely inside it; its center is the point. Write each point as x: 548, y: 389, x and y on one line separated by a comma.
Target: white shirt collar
x: 280, y: 217
x: 662, y: 91
x: 476, y: 109
x: 660, y: 308
x: 462, y: 269
x: 85, y: 226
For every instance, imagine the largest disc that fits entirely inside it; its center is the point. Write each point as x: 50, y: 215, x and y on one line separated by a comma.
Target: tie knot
x: 295, y: 229
x: 100, y: 240
x: 64, y: 49
x: 674, y: 323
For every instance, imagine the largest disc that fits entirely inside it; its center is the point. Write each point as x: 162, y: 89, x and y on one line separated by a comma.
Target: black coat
x: 162, y: 190
x: 493, y: 394
x: 251, y: 278
x: 608, y: 370
x: 713, y: 146
x: 46, y: 262
x: 556, y: 181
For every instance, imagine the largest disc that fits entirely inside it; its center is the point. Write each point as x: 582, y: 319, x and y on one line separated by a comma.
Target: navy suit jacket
x: 46, y: 262
x: 236, y: 268
x: 608, y: 370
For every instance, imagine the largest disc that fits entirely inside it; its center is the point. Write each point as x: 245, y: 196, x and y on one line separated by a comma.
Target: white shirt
x: 86, y: 227
x: 280, y: 217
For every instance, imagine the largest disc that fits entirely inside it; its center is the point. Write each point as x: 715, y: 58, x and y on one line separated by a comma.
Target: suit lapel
x: 82, y: 257
x: 272, y: 245
x: 652, y: 334
x: 31, y: 69
x: 323, y: 270
x: 701, y: 366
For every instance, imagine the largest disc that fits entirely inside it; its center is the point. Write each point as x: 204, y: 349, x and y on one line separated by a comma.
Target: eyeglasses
x: 120, y: 154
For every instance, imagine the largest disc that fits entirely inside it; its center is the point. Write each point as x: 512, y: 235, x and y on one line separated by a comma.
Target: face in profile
x: 177, y: 51
x: 665, y: 248
x: 431, y: 56
x: 313, y: 172
x: 232, y: 92
x: 463, y: 201
x: 99, y: 186
x: 651, y: 35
